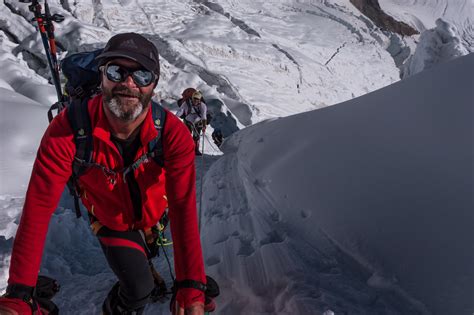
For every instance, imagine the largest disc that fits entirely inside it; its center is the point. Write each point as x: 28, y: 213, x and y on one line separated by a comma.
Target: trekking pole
x: 49, y: 26
x: 46, y: 29
x: 202, y: 180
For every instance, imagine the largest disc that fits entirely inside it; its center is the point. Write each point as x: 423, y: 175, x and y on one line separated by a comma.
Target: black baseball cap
x: 131, y: 46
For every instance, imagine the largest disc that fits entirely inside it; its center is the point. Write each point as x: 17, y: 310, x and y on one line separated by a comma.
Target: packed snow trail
x: 250, y: 238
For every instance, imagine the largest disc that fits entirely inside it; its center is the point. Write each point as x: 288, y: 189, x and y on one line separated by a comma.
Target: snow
x: 436, y: 46
x: 363, y: 207
x: 16, y: 76
x: 19, y: 144
x: 422, y: 15
x: 384, y: 181
x: 446, y: 29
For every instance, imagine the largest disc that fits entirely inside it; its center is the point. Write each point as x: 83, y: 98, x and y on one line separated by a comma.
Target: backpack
x: 83, y: 81
x: 186, y: 95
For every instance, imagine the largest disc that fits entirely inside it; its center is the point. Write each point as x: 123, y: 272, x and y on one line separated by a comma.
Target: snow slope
x: 364, y: 207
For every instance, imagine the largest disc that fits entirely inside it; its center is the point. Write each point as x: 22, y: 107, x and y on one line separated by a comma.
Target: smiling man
x: 123, y: 208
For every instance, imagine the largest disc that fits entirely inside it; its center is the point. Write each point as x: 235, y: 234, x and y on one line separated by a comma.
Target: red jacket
x: 173, y: 186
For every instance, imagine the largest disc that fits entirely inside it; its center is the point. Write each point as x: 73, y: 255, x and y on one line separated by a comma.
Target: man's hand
x: 195, y: 309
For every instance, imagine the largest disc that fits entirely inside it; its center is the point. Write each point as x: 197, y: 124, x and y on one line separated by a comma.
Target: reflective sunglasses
x: 141, y: 77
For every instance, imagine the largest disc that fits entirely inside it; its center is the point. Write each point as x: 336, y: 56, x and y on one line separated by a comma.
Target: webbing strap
x: 135, y: 165
x: 79, y: 119
x: 22, y: 292
x: 156, y: 145
x: 78, y: 116
x: 190, y: 284
x: 59, y: 106
x: 184, y: 284
x: 192, y: 108
x: 211, y: 288
x: 111, y: 174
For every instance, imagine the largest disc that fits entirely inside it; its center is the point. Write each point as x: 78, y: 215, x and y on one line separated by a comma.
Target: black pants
x: 194, y: 129
x: 195, y: 132
x: 128, y: 257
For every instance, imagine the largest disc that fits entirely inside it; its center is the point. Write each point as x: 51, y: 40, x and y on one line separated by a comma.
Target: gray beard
x: 125, y: 115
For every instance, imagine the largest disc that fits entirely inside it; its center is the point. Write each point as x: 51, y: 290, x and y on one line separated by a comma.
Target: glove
x: 210, y: 305
x: 195, y: 304
x: 199, y: 297
x: 11, y: 306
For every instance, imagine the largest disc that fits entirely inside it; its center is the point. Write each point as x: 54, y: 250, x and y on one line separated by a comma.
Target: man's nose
x: 129, y: 82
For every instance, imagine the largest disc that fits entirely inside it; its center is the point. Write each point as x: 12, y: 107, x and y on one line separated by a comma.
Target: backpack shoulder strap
x: 194, y: 109
x: 78, y: 116
x: 156, y: 145
x: 189, y: 106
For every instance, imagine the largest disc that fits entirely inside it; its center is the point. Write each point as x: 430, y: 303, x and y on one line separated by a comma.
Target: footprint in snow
x: 246, y: 248
x: 272, y: 237
x: 213, y: 260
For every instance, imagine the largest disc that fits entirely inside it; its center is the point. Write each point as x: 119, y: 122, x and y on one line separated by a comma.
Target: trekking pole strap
x: 210, y: 289
x: 22, y: 292
x: 59, y: 106
x: 189, y: 284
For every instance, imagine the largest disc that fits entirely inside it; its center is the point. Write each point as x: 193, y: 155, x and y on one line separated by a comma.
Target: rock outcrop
x: 372, y: 9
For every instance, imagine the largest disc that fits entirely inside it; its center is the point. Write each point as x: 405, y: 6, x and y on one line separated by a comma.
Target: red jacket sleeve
x: 51, y: 170
x: 180, y: 172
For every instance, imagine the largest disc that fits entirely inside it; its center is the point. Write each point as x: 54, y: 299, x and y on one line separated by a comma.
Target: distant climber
x: 217, y: 137
x: 193, y: 111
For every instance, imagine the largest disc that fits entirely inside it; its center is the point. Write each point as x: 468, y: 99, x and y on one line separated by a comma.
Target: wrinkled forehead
x: 127, y: 63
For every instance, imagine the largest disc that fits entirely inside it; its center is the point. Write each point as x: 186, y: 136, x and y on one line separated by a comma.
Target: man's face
x: 126, y: 100
x: 196, y: 101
